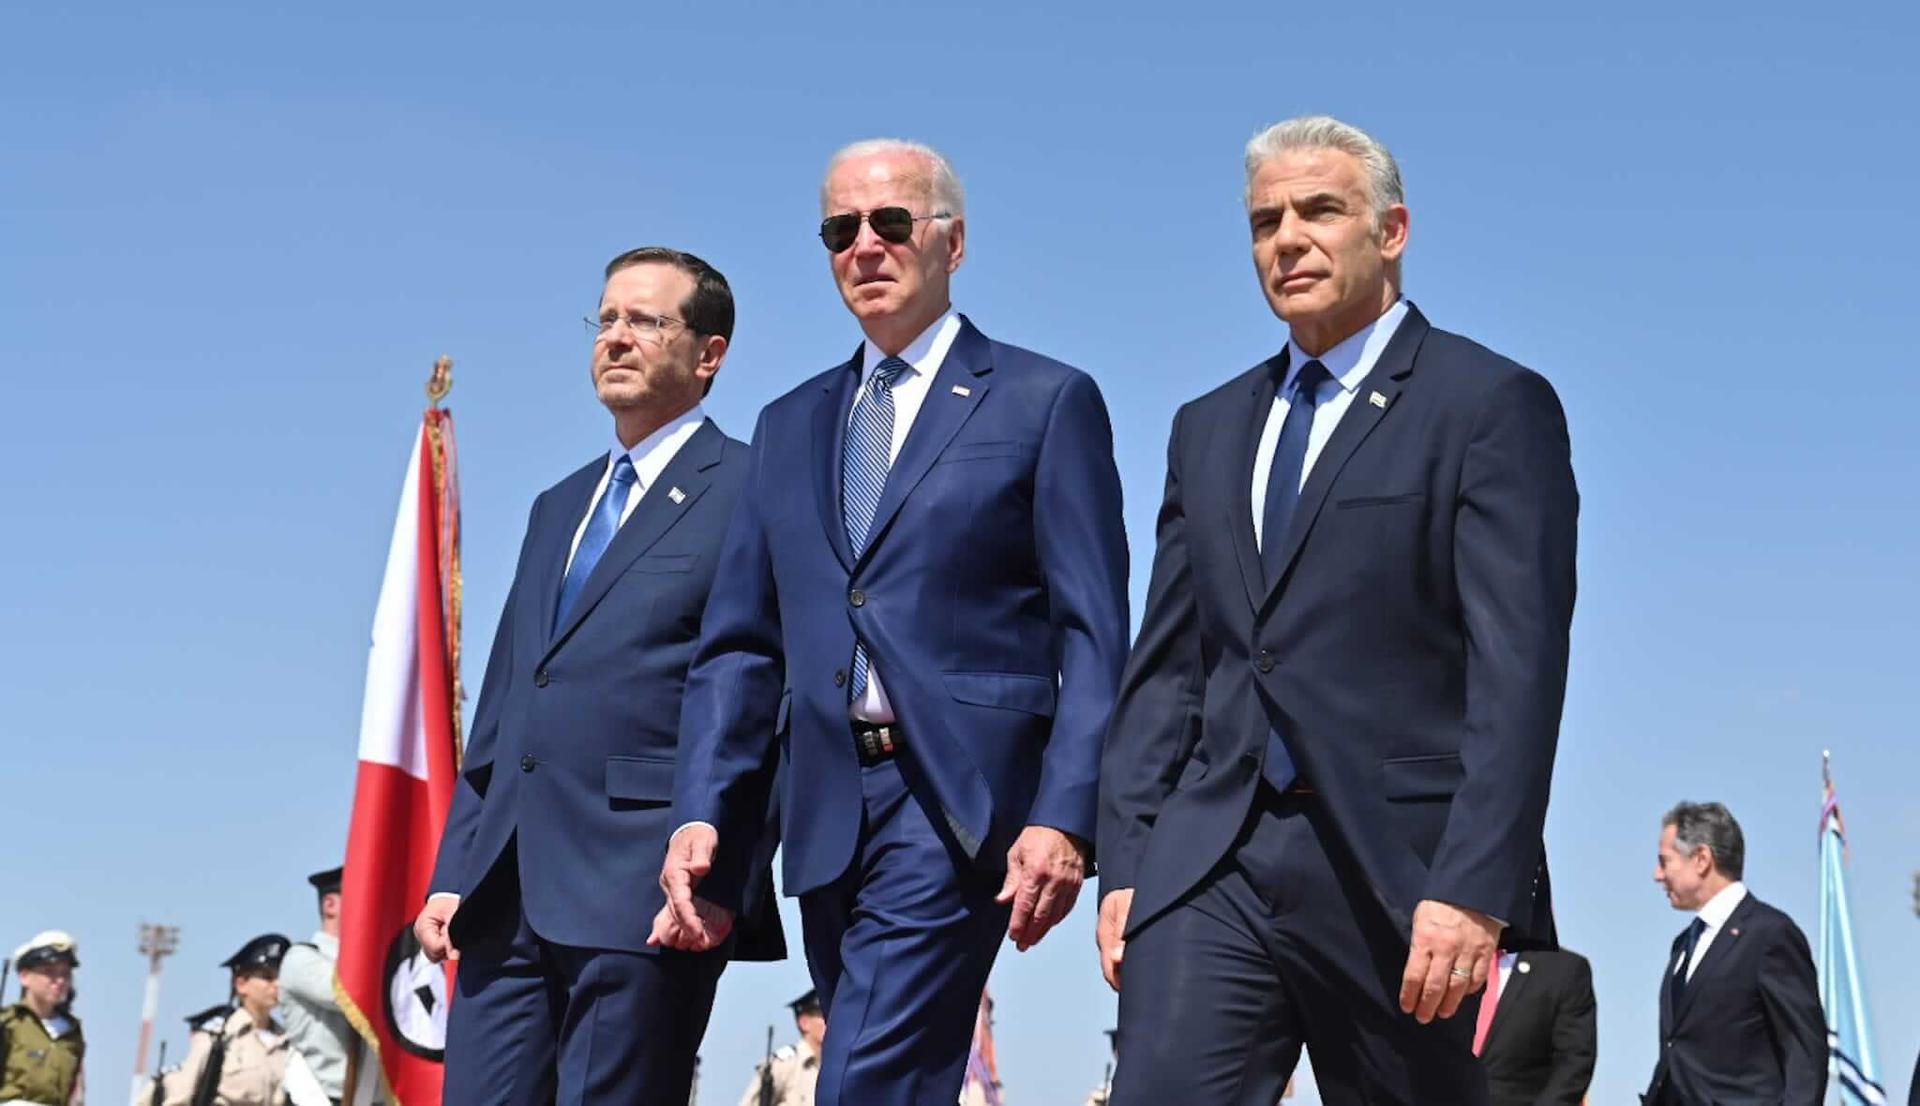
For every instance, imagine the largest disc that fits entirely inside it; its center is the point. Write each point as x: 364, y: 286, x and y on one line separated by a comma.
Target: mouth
x: 1293, y: 282
x: 865, y: 281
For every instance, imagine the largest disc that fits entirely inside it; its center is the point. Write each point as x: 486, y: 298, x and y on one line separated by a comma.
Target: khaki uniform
x: 41, y: 1065
x: 254, y: 1069
x: 315, y: 1025
x: 796, y: 1068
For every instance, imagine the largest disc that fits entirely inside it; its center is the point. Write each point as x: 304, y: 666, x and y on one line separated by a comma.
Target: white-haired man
x: 920, y: 616
x: 1327, y: 772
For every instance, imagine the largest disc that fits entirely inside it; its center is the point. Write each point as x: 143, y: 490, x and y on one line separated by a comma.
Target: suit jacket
x: 1541, y: 1046
x: 1748, y: 1028
x: 1412, y: 655
x: 991, y: 596
x: 577, y: 728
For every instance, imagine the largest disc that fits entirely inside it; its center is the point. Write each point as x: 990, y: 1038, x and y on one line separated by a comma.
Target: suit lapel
x: 1246, y: 548
x: 829, y: 440
x: 945, y: 409
x: 1717, y: 954
x: 652, y: 517
x: 572, y: 499
x: 1363, y: 414
x: 1514, y: 990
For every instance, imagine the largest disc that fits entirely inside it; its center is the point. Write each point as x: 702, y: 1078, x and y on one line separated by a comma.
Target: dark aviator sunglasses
x: 892, y: 224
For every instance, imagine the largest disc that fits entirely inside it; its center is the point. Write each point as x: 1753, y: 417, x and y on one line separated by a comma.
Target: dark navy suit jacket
x: 991, y: 597
x: 1748, y: 1028
x: 1413, y: 654
x: 577, y: 729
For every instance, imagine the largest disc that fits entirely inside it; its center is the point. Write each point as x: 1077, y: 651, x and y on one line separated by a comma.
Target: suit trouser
x: 1282, y: 945
x: 900, y: 948
x: 534, y: 1023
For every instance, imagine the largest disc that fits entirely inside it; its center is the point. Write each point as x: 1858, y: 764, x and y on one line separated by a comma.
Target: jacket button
x: 857, y: 597
x: 1263, y: 661
x: 527, y: 762
x: 839, y: 677
x: 540, y: 677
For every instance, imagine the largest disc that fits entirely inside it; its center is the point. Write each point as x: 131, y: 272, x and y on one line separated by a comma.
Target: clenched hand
x: 687, y: 921
x: 1045, y: 868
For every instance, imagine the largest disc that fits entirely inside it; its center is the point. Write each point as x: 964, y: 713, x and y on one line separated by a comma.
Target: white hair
x: 943, y: 185
x: 1323, y: 132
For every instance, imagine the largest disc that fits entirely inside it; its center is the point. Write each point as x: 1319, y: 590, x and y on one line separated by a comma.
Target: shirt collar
x: 327, y: 943
x: 1720, y: 907
x: 651, y: 453
x: 1351, y: 360
x: 923, y: 355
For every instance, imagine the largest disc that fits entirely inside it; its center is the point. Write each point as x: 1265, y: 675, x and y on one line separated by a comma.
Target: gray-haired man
x: 1740, y: 1016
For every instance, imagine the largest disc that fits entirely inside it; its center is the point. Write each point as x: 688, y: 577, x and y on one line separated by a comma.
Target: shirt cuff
x: 690, y: 825
x: 444, y: 895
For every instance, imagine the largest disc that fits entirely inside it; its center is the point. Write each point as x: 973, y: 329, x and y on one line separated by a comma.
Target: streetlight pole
x: 157, y: 942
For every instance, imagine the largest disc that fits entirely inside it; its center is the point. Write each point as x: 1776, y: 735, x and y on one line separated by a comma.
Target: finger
x: 1459, y: 986
x: 680, y: 899
x: 1433, y: 991
x: 1412, y: 976
x: 1007, y: 886
x: 1110, y: 964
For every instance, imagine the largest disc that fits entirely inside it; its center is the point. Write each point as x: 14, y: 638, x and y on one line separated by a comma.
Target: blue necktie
x: 1283, y: 495
x: 1689, y: 941
x: 600, y: 531
x: 863, y: 475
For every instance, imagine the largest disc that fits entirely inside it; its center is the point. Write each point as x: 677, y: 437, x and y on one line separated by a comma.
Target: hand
x: 687, y: 922
x: 1108, y: 930
x: 432, y: 928
x: 1045, y: 868
x: 1446, y: 939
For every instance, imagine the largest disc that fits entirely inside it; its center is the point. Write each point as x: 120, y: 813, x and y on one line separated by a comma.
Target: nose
x: 1288, y: 235
x: 866, y: 243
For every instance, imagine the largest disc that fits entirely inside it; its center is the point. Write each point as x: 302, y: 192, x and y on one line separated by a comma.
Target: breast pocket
x: 664, y: 562
x: 1356, y: 502
x: 984, y: 451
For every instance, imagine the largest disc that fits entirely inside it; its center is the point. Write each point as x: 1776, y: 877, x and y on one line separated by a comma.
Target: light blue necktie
x: 863, y: 475
x: 600, y: 531
x: 1283, y: 495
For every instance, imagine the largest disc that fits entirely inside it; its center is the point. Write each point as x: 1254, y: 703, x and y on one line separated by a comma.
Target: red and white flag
x: 409, y: 756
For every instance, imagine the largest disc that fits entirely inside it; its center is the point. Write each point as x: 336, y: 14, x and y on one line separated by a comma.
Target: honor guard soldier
x: 315, y: 1025
x: 40, y: 1042
x: 786, y: 1078
x: 237, y: 1055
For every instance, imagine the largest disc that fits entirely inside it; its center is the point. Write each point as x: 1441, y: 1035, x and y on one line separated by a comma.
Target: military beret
x: 808, y: 1003
x: 327, y: 882
x: 263, y: 951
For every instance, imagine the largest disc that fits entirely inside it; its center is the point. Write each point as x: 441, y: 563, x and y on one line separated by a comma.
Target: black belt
x: 877, y: 744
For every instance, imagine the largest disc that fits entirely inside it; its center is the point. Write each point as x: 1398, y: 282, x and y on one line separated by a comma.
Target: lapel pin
x: 1378, y: 400
x: 1524, y: 967
x: 962, y: 390
x: 1735, y: 931
x: 676, y: 495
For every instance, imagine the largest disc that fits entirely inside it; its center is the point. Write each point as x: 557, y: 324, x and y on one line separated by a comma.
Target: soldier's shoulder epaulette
x: 784, y: 1052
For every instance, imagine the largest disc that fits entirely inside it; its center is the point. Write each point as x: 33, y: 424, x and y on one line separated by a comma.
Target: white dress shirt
x: 1348, y: 363
x: 1718, y: 909
x: 923, y: 356
x: 650, y: 456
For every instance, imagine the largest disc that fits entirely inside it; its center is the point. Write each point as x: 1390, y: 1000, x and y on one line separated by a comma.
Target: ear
x: 1394, y: 226
x: 956, y: 242
x: 713, y: 351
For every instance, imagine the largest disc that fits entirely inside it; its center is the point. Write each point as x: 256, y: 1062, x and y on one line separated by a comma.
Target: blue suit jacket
x: 1413, y: 654
x: 576, y: 732
x: 991, y: 597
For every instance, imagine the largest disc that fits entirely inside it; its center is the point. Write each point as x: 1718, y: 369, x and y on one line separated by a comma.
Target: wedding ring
x: 1459, y: 973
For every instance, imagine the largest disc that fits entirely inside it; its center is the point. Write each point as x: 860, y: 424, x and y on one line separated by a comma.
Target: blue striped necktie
x: 863, y: 474
x: 600, y: 531
x: 1283, y: 495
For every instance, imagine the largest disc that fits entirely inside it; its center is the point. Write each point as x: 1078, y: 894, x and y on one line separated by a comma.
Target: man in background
x: 788, y: 1078
x: 1740, y: 1017
x: 308, y: 1008
x: 1535, y: 1032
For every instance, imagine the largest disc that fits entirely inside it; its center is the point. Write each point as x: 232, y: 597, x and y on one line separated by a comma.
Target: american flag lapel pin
x: 962, y: 390
x: 676, y: 495
x: 1378, y: 400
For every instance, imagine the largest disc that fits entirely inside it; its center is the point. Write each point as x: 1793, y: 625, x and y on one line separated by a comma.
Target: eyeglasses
x: 892, y: 224
x: 646, y: 328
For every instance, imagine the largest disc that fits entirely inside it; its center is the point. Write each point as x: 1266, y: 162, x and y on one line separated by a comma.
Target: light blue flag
x: 1851, y: 1071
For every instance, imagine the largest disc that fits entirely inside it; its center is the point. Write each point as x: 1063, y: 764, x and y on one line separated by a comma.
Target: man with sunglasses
x: 546, y: 883
x: 919, y: 621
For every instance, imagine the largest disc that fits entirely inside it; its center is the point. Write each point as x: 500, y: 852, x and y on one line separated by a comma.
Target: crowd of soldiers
x: 279, y: 1038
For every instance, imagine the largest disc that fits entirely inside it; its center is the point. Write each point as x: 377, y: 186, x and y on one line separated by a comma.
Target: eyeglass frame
x: 865, y: 218
x: 656, y: 334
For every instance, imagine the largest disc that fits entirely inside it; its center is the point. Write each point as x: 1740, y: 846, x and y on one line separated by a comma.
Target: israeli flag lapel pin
x: 1378, y: 400
x: 676, y: 495
x: 962, y: 390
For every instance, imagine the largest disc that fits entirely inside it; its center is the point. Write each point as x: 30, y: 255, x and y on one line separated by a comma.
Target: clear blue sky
x: 233, y: 237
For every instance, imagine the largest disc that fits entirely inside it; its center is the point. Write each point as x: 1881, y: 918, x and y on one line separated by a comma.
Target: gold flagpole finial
x: 441, y: 382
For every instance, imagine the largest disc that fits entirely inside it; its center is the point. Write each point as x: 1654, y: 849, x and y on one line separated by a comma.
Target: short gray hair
x: 943, y: 184
x: 1712, y: 825
x: 1324, y: 132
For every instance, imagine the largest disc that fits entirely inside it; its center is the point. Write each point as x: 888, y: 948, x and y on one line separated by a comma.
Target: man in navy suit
x: 1326, y: 777
x: 920, y: 621
x: 546, y: 883
x: 1740, y: 1017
